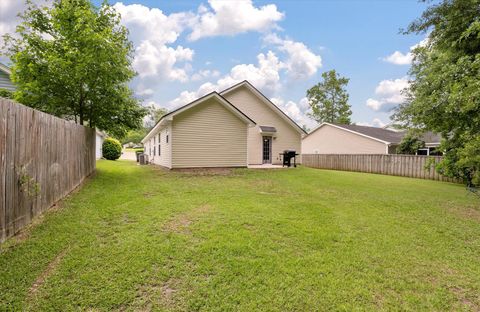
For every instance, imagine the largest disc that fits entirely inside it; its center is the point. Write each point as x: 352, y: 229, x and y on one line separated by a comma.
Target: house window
x: 166, y: 138
x: 154, y: 150
x: 159, y: 144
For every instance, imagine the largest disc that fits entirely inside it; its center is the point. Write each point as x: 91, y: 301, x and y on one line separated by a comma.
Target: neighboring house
x: 99, y: 138
x: 5, y: 82
x: 234, y: 128
x: 330, y: 138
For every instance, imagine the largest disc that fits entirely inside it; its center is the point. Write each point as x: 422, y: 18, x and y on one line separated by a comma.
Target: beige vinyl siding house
x: 5, y: 81
x: 330, y: 138
x: 209, y: 132
x: 209, y: 136
x: 271, y: 124
x: 235, y: 128
x: 350, y: 139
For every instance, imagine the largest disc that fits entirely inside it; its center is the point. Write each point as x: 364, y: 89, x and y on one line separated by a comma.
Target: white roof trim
x: 169, y: 117
x: 265, y: 100
x: 348, y: 130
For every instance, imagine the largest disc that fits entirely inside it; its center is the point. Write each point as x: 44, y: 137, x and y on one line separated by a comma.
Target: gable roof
x: 211, y: 95
x: 267, y: 101
x: 381, y: 134
x: 378, y: 134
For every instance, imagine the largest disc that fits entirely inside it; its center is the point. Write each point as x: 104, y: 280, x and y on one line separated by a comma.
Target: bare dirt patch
x: 149, y: 296
x: 51, y: 267
x: 182, y: 222
x: 205, y: 171
x: 465, y: 213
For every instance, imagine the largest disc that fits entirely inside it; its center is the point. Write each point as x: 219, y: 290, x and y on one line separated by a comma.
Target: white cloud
x: 9, y: 10
x: 265, y: 75
x: 301, y: 62
x: 151, y: 32
x: 296, y: 110
x: 399, y: 58
x: 376, y: 122
x: 204, y: 74
x: 388, y: 94
x: 233, y: 17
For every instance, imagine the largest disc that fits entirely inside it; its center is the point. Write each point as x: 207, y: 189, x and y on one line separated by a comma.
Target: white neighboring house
x: 234, y: 128
x: 330, y: 138
x: 99, y: 138
x: 5, y: 82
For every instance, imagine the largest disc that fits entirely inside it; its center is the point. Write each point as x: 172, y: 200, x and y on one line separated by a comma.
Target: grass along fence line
x: 412, y: 166
x: 42, y: 159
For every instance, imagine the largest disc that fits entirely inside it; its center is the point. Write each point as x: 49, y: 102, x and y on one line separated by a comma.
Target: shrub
x: 6, y: 93
x: 111, y: 149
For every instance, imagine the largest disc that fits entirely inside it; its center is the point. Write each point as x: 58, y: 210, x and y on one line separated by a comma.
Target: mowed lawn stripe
x: 141, y: 238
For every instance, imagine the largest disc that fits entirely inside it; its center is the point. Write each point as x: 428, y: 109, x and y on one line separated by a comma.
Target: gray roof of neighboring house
x: 377, y: 133
x: 394, y: 137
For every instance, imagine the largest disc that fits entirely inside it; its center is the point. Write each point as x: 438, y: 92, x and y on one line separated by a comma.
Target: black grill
x: 288, y: 155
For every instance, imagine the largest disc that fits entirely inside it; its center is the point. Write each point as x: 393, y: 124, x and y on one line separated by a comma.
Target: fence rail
x: 398, y: 165
x: 42, y: 159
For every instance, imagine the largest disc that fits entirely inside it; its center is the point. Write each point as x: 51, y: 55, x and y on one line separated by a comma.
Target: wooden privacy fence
x: 42, y: 159
x: 398, y: 165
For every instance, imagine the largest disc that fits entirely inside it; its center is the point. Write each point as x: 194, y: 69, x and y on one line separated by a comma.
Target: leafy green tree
x: 328, y: 99
x: 444, y: 94
x: 154, y: 115
x: 135, y: 136
x: 73, y: 60
x: 410, y: 145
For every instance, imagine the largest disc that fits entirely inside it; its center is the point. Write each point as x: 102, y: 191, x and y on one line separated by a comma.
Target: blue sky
x: 187, y: 48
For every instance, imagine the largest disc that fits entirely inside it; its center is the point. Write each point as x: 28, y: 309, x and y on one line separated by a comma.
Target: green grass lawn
x: 140, y: 238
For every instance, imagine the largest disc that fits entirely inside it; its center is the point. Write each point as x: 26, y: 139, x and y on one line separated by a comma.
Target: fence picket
x: 398, y: 165
x: 38, y: 149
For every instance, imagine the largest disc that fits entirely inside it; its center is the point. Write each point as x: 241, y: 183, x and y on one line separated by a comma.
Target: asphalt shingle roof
x: 390, y: 136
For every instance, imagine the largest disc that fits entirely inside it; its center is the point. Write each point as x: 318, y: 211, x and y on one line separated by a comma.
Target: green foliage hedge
x: 111, y: 149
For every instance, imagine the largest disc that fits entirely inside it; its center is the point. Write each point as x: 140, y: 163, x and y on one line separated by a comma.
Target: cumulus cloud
x: 388, y: 94
x: 296, y: 110
x: 301, y: 62
x: 9, y: 10
x: 376, y: 122
x: 264, y: 75
x: 233, y: 17
x: 399, y: 58
x: 205, y: 74
x: 151, y: 32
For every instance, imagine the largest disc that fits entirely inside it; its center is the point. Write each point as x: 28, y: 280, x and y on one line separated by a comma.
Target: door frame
x: 269, y: 160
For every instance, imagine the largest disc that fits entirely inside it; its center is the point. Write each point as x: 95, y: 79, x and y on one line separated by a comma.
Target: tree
x: 328, y: 99
x: 73, y: 60
x: 135, y: 136
x: 154, y: 115
x: 410, y: 145
x: 444, y: 92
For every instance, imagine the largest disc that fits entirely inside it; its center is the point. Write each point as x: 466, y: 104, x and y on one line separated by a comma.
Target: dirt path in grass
x: 49, y: 270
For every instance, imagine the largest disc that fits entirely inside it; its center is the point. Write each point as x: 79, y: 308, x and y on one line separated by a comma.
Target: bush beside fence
x: 398, y: 165
x: 42, y: 159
